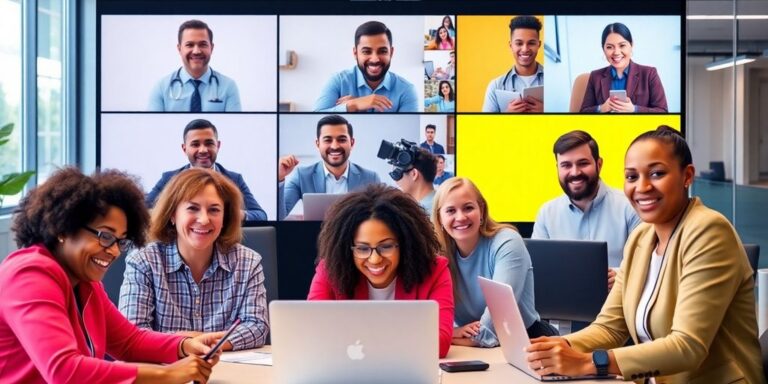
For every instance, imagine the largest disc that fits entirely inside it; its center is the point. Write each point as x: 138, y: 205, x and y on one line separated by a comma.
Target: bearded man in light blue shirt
x: 369, y: 87
x: 195, y: 87
x: 590, y: 209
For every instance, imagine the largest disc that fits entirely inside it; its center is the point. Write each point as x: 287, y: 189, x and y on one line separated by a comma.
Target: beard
x: 590, y: 186
x: 327, y: 158
x: 371, y: 78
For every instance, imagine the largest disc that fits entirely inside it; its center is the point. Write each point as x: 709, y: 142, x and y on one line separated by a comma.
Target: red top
x: 41, y: 339
x: 437, y: 286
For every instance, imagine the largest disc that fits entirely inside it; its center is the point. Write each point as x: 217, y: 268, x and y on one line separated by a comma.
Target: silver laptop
x: 510, y: 329
x: 354, y: 341
x: 316, y: 204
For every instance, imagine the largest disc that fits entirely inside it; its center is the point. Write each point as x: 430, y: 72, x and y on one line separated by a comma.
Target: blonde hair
x: 184, y: 187
x: 488, y: 226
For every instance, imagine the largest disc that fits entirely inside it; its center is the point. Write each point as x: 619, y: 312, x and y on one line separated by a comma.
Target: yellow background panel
x: 483, y: 55
x: 510, y: 157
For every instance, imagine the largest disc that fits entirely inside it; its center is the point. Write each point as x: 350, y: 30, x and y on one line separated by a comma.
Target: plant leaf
x: 3, y: 141
x: 6, y: 130
x: 13, y: 183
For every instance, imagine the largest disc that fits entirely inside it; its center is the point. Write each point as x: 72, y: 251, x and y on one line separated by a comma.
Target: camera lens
x: 404, y: 158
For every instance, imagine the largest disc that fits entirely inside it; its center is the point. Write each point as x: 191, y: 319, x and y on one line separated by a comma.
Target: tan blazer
x: 702, y: 312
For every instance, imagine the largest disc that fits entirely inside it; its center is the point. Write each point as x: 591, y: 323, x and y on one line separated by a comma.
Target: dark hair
x: 619, y: 28
x: 372, y: 28
x: 440, y: 157
x: 430, y: 126
x: 575, y: 139
x: 199, y: 124
x: 426, y: 164
x: 404, y: 217
x: 195, y: 24
x: 450, y: 20
x: 451, y: 95
x: 334, y: 120
x: 439, y: 40
x: 69, y: 200
x: 668, y: 135
x: 524, y: 22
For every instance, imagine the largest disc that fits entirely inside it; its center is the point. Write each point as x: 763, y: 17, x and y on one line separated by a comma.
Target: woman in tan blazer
x: 685, y: 292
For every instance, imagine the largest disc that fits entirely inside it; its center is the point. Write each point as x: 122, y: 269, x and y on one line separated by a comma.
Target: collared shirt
x: 609, y: 218
x: 333, y: 185
x: 435, y: 148
x: 510, y: 81
x: 617, y: 83
x: 440, y: 179
x: 440, y: 104
x: 159, y: 292
x: 351, y: 82
x: 215, y: 96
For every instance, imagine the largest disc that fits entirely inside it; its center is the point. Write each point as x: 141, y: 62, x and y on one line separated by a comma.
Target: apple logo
x: 506, y: 327
x: 355, y: 351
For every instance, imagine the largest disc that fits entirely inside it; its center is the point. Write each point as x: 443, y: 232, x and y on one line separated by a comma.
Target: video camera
x: 401, y: 154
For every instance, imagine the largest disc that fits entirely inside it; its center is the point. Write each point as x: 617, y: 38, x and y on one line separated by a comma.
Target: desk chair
x: 264, y: 241
x: 113, y: 279
x: 753, y: 255
x: 577, y: 92
x: 764, y: 352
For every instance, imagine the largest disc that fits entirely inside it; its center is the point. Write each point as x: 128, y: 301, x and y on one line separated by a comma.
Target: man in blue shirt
x: 334, y: 174
x: 369, y: 87
x: 195, y: 87
x: 441, y: 175
x: 589, y: 210
x: 201, y: 145
x: 430, y: 144
x: 524, y: 44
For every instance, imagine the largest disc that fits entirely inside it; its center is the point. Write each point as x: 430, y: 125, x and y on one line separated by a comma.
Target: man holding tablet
x: 195, y: 87
x: 506, y: 93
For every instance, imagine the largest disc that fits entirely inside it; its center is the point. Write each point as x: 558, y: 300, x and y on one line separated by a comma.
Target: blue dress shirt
x: 440, y: 179
x: 442, y: 105
x: 510, y: 81
x: 351, y: 82
x: 223, y: 97
x: 608, y: 218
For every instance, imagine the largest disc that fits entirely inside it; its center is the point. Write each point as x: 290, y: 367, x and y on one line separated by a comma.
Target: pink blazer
x: 41, y: 339
x: 436, y: 287
x: 644, y: 88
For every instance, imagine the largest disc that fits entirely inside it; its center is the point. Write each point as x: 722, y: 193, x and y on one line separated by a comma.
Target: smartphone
x: 464, y: 366
x: 619, y: 94
x: 222, y: 341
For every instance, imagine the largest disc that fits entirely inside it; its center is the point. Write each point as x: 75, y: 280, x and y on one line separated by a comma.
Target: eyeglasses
x: 107, y: 239
x: 365, y: 251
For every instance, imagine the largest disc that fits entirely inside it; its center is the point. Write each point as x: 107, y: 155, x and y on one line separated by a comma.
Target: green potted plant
x: 11, y: 183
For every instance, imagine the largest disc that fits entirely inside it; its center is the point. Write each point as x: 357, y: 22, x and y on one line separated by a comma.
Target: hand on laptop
x: 553, y: 355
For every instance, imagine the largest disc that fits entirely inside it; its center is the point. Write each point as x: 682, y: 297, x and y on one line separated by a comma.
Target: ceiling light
x: 728, y: 62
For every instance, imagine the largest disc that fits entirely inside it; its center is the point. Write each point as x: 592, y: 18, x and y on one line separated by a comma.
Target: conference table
x: 499, y: 371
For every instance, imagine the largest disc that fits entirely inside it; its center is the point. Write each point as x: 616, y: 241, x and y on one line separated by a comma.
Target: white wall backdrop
x: 147, y: 145
x: 324, y: 46
x: 298, y: 133
x: 137, y: 51
x: 656, y: 43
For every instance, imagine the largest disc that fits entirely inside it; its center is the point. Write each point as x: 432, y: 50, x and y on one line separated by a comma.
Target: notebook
x: 355, y: 341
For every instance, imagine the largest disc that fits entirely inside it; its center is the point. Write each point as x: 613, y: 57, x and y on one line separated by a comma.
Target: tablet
x: 505, y: 97
x: 536, y: 92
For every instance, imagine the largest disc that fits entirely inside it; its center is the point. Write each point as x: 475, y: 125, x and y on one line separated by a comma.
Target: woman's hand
x: 200, y: 344
x: 606, y: 107
x: 467, y: 331
x: 621, y: 106
x: 190, y: 368
x: 548, y: 355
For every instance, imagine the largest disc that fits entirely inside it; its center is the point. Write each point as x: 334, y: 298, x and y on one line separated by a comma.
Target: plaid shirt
x: 158, y: 292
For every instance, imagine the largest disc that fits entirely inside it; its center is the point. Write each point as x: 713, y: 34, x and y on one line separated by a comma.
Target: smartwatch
x: 601, y: 361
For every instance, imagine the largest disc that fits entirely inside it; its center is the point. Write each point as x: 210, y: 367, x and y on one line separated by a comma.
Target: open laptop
x: 429, y: 69
x: 354, y: 341
x: 510, y: 329
x: 316, y: 204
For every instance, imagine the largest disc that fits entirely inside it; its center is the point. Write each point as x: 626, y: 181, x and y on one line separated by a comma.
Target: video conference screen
x: 267, y: 73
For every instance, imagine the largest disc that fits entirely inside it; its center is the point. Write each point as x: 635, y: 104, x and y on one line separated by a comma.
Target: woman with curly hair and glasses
x: 378, y: 244
x: 56, y: 321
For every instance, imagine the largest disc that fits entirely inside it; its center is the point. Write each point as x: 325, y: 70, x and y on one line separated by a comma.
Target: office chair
x: 264, y: 241
x: 753, y: 255
x: 113, y: 279
x: 577, y: 92
x: 764, y: 352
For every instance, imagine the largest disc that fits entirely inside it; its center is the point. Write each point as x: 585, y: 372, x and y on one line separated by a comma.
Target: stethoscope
x: 177, y: 80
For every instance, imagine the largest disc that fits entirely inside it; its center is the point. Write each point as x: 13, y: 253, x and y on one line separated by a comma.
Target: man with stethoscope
x: 195, y: 87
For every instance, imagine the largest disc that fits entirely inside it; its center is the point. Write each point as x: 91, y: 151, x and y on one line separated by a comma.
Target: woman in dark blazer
x: 645, y: 93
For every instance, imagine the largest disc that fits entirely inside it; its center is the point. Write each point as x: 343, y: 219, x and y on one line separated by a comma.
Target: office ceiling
x: 715, y: 37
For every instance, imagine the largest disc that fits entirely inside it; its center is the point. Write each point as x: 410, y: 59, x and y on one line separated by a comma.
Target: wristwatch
x: 601, y: 361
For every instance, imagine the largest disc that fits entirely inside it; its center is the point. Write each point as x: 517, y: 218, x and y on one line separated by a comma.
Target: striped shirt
x: 159, y: 293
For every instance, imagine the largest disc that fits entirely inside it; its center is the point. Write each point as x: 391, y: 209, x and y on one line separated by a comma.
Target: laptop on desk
x: 354, y: 341
x: 316, y: 204
x: 510, y: 329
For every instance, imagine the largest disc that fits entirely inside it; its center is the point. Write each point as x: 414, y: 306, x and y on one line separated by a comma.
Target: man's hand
x: 517, y: 106
x: 285, y: 165
x: 534, y: 105
x: 467, y: 331
x: 611, y: 278
x: 378, y: 103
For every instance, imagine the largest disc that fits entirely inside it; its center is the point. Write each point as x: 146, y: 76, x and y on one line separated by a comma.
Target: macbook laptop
x: 354, y: 341
x: 316, y: 204
x: 510, y: 329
